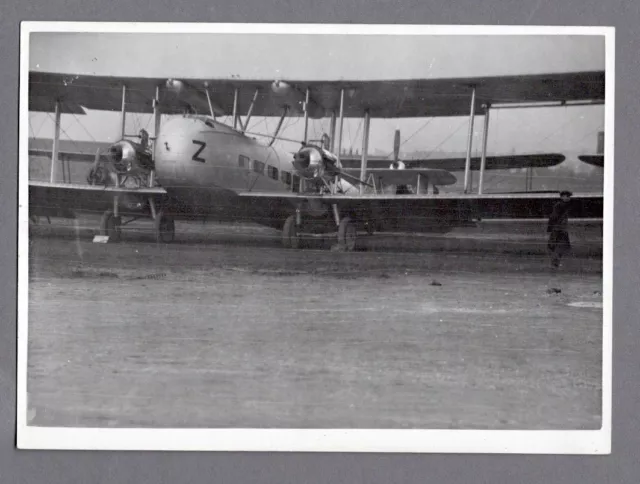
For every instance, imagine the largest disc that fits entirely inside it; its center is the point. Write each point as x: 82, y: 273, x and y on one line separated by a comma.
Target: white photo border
x: 315, y: 440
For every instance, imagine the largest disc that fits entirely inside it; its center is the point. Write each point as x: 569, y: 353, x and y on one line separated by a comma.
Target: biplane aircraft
x: 196, y: 167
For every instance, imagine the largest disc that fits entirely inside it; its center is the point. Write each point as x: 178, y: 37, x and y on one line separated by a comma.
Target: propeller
x: 98, y: 174
x: 313, y: 162
x: 397, y: 164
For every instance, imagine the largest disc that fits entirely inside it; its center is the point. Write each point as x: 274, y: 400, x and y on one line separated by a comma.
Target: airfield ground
x: 226, y: 329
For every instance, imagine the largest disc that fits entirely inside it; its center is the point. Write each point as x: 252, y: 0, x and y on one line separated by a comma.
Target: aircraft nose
x: 115, y: 153
x: 175, y: 153
x: 302, y: 160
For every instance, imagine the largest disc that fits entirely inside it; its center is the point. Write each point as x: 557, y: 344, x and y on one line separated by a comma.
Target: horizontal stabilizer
x: 409, y: 176
x: 67, y: 149
x: 595, y: 160
x: 65, y: 155
x: 505, y: 162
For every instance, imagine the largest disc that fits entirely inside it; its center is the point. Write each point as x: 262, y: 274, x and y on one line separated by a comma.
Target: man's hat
x: 566, y: 193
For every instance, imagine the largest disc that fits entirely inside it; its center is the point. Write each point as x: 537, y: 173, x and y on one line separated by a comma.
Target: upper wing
x: 506, y: 162
x: 446, y: 207
x: 63, y: 199
x: 383, y: 99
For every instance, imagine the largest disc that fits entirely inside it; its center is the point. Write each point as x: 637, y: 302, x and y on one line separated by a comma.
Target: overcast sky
x: 333, y: 57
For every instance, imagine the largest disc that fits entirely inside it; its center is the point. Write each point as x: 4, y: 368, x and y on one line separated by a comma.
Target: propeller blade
x: 396, y: 146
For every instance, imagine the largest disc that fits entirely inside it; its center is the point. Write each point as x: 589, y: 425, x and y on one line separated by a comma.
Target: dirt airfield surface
x: 224, y: 328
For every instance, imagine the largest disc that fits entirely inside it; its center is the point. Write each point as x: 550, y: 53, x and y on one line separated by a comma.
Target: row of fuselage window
x: 272, y: 172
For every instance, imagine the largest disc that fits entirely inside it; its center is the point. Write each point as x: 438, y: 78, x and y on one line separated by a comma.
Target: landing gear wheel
x: 165, y: 228
x: 369, y: 226
x: 290, y: 236
x: 110, y: 226
x: 347, y: 234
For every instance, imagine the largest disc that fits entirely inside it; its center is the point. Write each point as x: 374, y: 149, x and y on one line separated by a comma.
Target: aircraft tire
x: 110, y: 226
x: 370, y: 227
x: 347, y: 234
x: 290, y: 236
x: 165, y: 228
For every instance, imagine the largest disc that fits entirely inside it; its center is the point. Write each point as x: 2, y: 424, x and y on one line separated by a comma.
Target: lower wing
x: 443, y: 207
x: 64, y: 199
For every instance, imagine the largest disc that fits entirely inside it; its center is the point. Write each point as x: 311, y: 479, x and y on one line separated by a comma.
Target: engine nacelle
x: 313, y: 162
x: 129, y: 157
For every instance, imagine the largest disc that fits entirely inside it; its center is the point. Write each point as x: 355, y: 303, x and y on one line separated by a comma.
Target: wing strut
x: 123, y: 111
x: 483, y: 160
x: 306, y: 117
x: 245, y: 126
x: 211, y: 111
x: 285, y: 110
x: 332, y: 132
x: 157, y: 118
x: 467, y: 165
x: 339, y: 147
x: 365, y: 148
x: 56, y: 142
x: 235, y: 108
x: 157, y: 114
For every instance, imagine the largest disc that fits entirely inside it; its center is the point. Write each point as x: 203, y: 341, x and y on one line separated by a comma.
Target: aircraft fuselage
x: 204, y: 165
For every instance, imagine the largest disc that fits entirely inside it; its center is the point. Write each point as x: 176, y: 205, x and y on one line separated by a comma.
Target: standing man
x: 144, y: 139
x: 557, y: 228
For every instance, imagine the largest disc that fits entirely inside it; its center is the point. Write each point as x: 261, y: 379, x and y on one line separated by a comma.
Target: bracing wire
x: 447, y: 138
x: 83, y: 127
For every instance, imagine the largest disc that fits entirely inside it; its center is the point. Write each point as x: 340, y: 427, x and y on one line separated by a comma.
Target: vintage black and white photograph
x: 269, y: 237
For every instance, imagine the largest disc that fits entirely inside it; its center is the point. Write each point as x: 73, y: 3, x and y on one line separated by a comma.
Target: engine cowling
x: 129, y: 157
x: 310, y: 162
